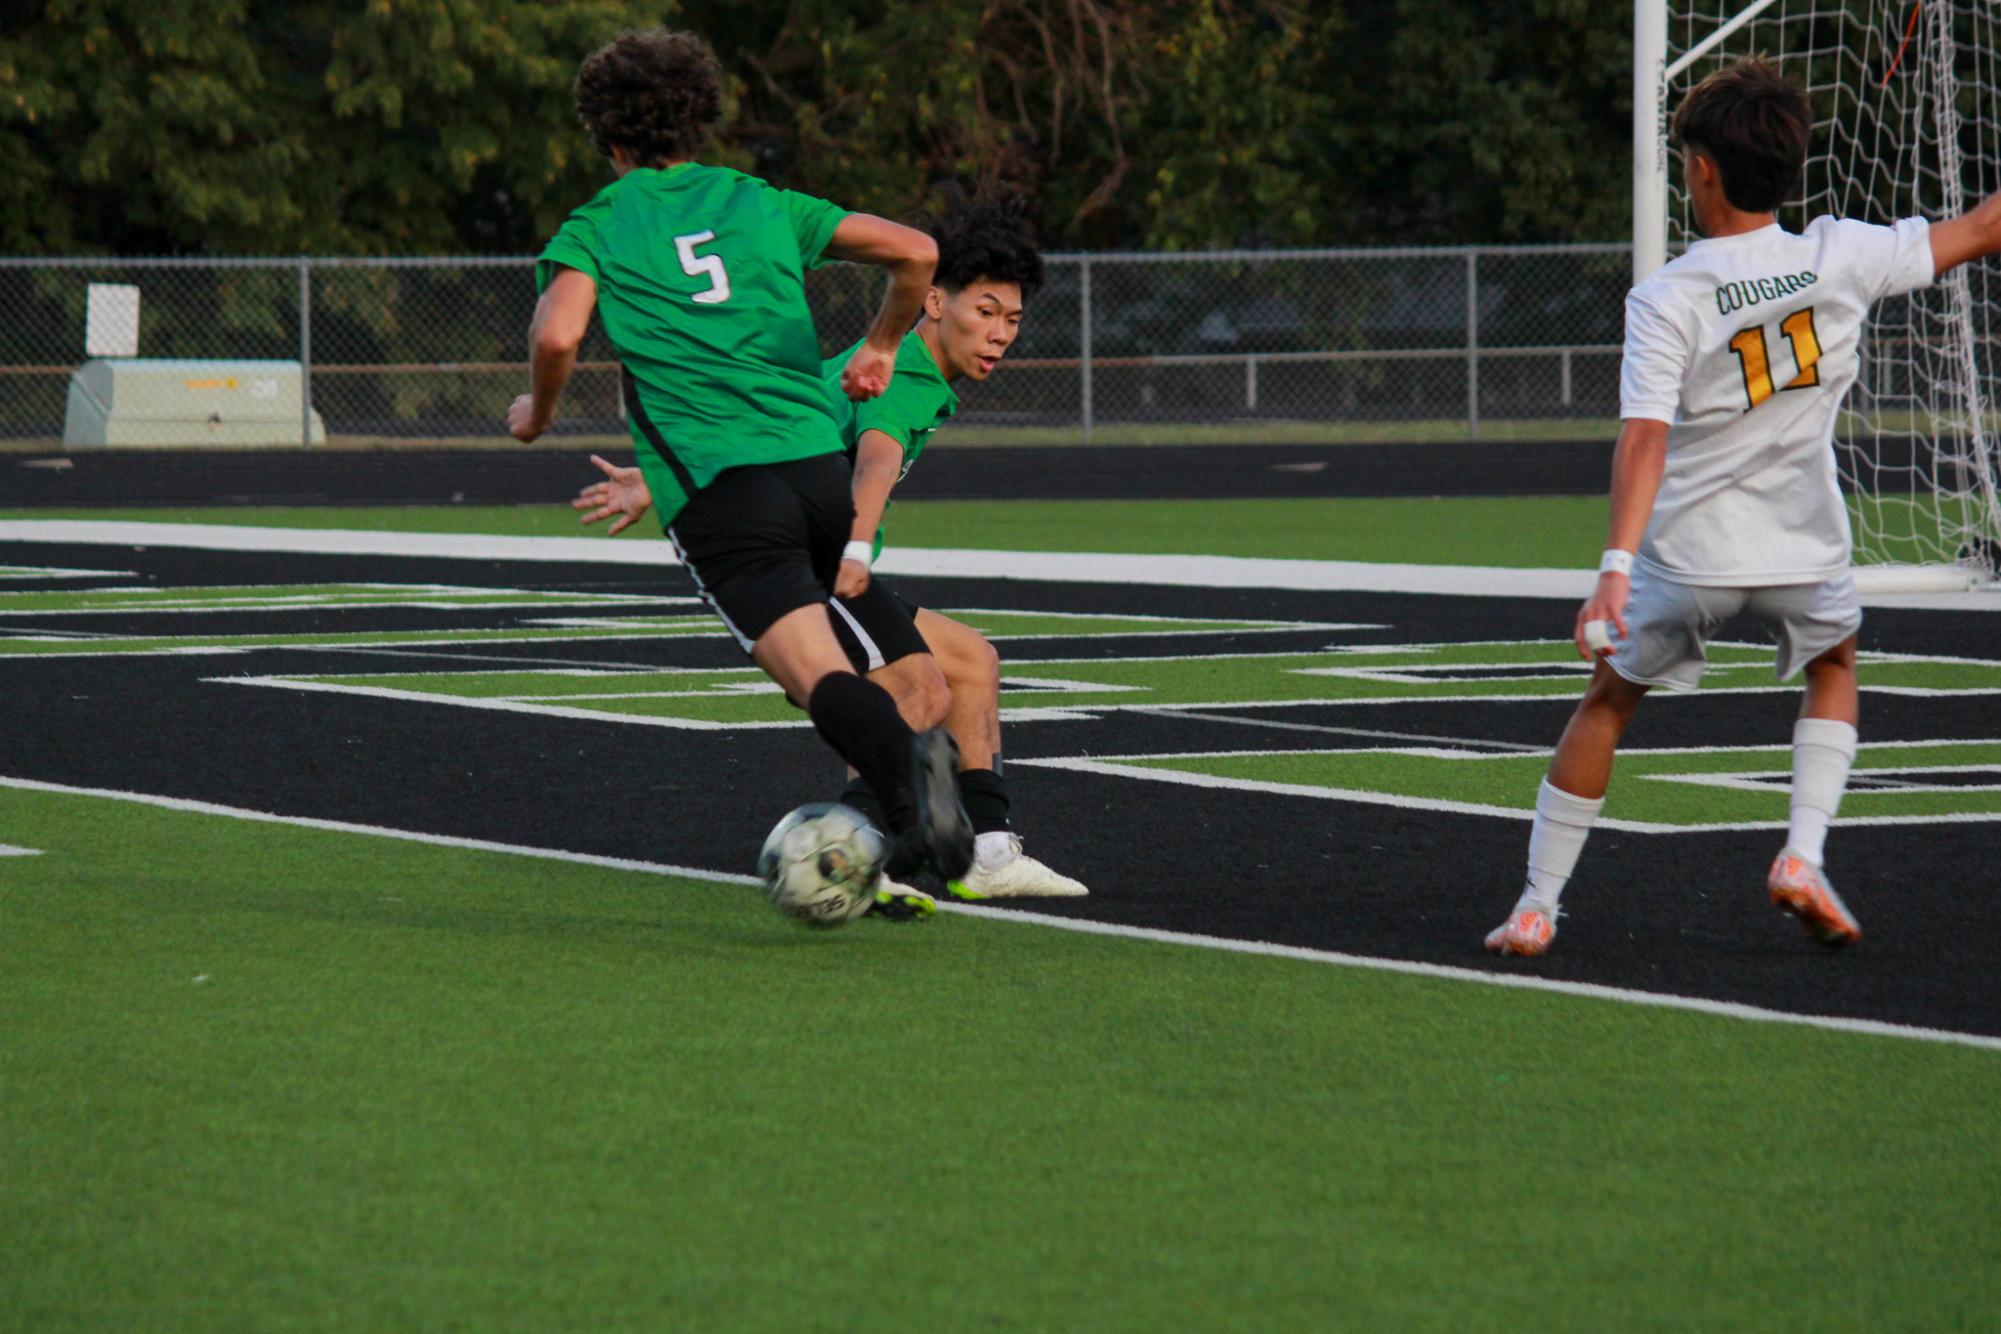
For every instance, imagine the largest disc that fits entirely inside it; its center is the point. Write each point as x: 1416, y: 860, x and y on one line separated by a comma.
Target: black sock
x: 861, y: 796
x: 859, y: 719
x: 985, y: 796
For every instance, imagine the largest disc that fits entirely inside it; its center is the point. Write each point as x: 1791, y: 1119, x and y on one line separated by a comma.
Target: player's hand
x: 623, y: 493
x: 867, y: 373
x: 1606, y: 603
x: 522, y: 423
x: 852, y: 580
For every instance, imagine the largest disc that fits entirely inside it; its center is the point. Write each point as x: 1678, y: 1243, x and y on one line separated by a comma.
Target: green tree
x: 394, y: 125
x: 385, y: 126
x: 1492, y: 123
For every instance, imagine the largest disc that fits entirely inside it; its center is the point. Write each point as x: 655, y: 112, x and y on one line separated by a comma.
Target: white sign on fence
x: 111, y: 320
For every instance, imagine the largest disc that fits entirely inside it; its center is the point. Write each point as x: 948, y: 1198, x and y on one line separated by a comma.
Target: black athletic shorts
x: 876, y: 628
x: 765, y: 539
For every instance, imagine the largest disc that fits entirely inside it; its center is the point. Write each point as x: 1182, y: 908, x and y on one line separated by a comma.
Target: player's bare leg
x: 912, y: 773
x: 1582, y: 765
x: 1567, y: 807
x: 972, y: 669
x: 1832, y: 691
x: 1824, y: 741
x: 919, y: 688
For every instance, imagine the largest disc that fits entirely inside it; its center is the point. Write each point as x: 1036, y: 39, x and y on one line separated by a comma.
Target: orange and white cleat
x: 1527, y: 933
x: 1800, y: 888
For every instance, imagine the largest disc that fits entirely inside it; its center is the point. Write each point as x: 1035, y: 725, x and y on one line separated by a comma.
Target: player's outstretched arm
x: 1971, y: 235
x: 878, y: 460
x: 1637, y: 464
x: 911, y: 257
x: 554, y: 335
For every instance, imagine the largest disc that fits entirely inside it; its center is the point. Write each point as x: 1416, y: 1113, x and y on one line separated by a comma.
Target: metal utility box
x: 146, y: 401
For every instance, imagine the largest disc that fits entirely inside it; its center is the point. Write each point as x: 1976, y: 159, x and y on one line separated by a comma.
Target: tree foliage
x: 376, y: 126
x: 218, y: 125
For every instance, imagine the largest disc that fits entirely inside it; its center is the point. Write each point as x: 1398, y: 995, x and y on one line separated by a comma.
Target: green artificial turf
x: 1509, y: 531
x: 255, y: 1076
x: 742, y: 695
x: 1646, y: 790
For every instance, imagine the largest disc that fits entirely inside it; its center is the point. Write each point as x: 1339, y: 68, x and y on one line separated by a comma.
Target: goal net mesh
x: 1904, y: 94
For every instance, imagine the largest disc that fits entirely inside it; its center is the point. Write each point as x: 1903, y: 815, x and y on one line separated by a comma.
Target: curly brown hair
x: 652, y: 92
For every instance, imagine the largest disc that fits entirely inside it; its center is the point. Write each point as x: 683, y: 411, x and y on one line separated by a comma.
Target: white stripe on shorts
x: 869, y: 646
x: 703, y: 589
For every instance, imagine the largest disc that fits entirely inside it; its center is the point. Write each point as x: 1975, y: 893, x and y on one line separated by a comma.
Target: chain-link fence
x: 1378, y: 344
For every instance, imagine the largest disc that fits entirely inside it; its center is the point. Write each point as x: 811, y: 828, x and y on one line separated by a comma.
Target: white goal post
x: 1907, y: 121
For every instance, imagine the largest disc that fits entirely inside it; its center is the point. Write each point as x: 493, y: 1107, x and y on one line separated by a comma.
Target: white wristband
x: 1615, y: 561
x: 861, y: 551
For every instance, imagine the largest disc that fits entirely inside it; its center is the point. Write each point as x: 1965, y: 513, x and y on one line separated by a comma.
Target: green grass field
x: 257, y: 1076
x: 1535, y: 531
x: 1510, y: 531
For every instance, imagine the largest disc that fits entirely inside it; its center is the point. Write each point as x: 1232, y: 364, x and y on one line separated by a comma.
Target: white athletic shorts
x: 1669, y: 625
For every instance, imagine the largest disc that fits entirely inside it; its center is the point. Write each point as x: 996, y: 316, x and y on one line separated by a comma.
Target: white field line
x: 1780, y: 780
x: 366, y: 603
x: 1025, y: 713
x: 376, y: 831
x: 1051, y: 566
x: 1706, y: 692
x: 1449, y: 972
x: 1169, y: 624
x: 1183, y: 778
x: 497, y: 705
x: 1280, y: 725
x: 39, y: 572
x: 1443, y: 972
x: 515, y: 704
x: 499, y: 661
x: 446, y: 639
x: 9, y: 850
x: 1776, y: 750
x: 1364, y: 797
x: 1178, y: 626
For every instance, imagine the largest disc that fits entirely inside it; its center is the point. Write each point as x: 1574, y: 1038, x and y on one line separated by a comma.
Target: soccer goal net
x: 1905, y: 95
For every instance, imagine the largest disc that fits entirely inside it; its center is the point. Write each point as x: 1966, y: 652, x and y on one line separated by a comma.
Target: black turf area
x: 1684, y: 913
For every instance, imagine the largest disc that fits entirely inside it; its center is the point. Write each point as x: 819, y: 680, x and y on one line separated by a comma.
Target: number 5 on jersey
x: 696, y: 266
x: 1756, y: 361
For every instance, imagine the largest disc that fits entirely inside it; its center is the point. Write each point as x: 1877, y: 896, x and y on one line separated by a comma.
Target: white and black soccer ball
x: 820, y: 864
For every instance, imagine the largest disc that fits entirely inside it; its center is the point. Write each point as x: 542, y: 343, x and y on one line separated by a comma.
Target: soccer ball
x: 820, y: 864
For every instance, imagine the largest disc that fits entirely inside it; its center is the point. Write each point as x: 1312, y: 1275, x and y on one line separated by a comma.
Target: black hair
x: 652, y: 92
x: 985, y: 236
x: 1753, y: 123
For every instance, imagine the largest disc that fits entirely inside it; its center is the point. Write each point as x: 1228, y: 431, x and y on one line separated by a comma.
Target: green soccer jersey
x: 700, y: 277
x: 917, y: 402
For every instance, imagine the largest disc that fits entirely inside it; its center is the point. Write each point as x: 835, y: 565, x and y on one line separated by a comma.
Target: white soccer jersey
x: 1746, y: 345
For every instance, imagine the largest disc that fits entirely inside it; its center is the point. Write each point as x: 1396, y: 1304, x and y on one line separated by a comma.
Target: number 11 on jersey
x: 1755, y: 360
x: 695, y: 266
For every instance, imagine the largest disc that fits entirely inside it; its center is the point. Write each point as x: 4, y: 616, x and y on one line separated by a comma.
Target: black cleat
x: 942, y: 822
x: 906, y: 855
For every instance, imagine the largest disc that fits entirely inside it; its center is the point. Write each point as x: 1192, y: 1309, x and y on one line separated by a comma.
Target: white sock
x: 995, y: 849
x: 1822, y: 751
x: 1562, y: 823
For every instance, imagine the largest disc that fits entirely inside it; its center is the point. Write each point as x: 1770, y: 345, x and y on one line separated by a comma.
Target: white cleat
x: 1015, y: 876
x: 1526, y: 933
x: 1800, y: 888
